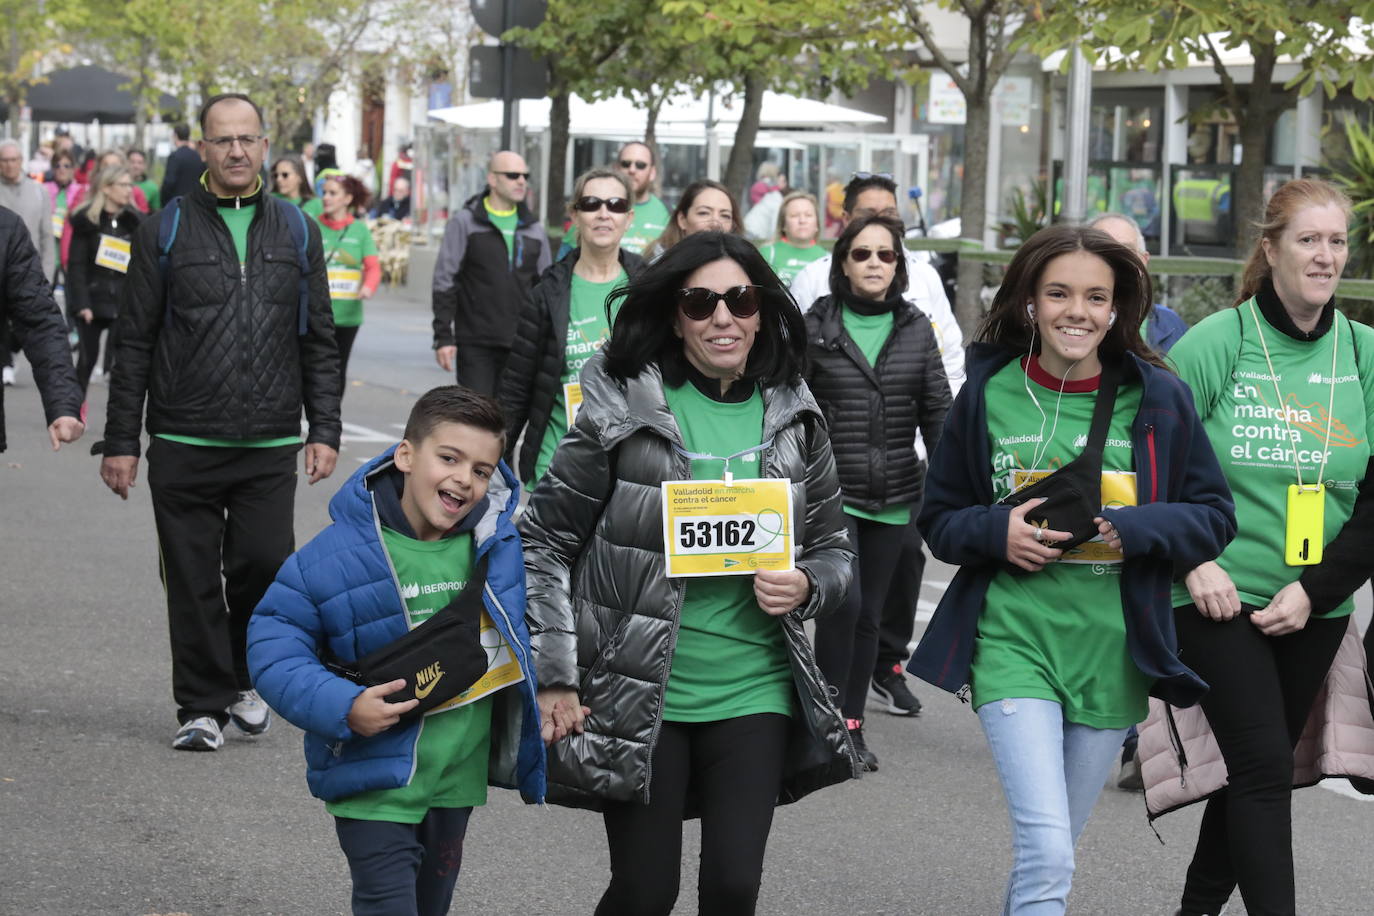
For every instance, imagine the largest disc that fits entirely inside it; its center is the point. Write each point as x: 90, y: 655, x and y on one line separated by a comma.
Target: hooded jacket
x: 533, y: 376
x: 340, y: 591
x: 1185, y: 517
x: 603, y: 615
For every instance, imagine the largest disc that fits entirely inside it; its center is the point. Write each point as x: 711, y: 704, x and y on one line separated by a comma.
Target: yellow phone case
x: 1306, y: 529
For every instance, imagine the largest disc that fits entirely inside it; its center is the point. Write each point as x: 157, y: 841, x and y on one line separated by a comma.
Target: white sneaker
x: 200, y: 734
x: 250, y: 714
x: 7, y: 375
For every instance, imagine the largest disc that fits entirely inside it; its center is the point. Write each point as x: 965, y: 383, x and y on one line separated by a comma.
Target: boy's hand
x: 372, y: 714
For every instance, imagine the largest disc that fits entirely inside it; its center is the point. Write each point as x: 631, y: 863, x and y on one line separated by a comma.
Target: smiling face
x: 447, y: 473
x: 601, y: 229
x: 799, y: 222
x: 232, y: 169
x: 710, y: 212
x: 1073, y: 312
x: 718, y: 346
x: 870, y: 278
x: 334, y: 200
x: 1308, y: 257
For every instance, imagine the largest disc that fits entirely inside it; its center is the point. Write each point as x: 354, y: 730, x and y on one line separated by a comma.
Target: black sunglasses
x: 699, y: 303
x: 864, y: 176
x: 886, y: 255
x: 592, y: 204
x: 639, y: 164
x: 282, y: 174
x: 516, y: 176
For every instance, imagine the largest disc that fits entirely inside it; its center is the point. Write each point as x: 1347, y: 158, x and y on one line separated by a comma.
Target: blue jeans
x: 1051, y: 773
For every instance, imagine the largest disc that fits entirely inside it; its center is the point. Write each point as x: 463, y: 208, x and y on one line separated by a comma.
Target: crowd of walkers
x: 1157, y: 530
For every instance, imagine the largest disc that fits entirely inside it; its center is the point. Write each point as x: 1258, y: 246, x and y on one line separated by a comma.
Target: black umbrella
x: 89, y: 93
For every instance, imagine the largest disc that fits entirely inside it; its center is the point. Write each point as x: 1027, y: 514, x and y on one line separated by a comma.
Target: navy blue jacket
x: 340, y: 588
x: 1186, y: 517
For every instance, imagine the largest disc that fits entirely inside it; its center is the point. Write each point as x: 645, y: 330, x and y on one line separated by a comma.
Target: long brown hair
x: 674, y: 234
x: 1008, y: 324
x: 1291, y: 198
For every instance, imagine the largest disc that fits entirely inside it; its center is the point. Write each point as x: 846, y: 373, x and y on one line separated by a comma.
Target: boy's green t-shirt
x: 344, y: 250
x: 451, y: 750
x: 1257, y: 432
x: 730, y: 659
x: 1059, y: 634
x: 588, y: 329
x: 506, y: 222
x: 870, y: 334
x: 787, y: 260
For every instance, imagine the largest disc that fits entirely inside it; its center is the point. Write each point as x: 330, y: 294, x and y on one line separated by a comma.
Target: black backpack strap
x: 295, y: 220
x: 169, y: 221
x: 1103, y: 406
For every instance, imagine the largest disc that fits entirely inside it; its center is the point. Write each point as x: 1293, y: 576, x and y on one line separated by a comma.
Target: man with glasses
x: 28, y: 199
x: 637, y: 162
x: 225, y: 344
x: 493, y: 250
x: 184, y: 166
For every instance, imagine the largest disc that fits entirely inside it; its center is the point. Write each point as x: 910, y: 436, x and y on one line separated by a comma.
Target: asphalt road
x: 99, y: 816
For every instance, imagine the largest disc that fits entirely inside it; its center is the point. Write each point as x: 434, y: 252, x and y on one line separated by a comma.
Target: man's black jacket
x: 225, y: 360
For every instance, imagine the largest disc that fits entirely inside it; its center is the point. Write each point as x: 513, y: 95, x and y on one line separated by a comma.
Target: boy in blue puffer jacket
x: 409, y: 527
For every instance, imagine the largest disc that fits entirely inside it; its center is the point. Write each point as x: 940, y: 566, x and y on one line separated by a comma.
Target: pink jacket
x: 1338, y: 739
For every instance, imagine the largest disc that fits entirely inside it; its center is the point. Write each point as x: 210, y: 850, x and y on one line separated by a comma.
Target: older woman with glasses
x: 674, y: 684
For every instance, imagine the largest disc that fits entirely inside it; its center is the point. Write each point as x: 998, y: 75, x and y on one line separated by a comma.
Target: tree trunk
x: 968, y: 307
x: 740, y: 168
x: 560, y: 125
x: 1256, y: 119
x: 651, y: 123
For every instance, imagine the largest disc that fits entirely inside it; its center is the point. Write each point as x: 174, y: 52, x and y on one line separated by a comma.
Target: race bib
x: 58, y: 221
x: 1118, y: 489
x: 345, y: 283
x: 572, y: 400
x: 113, y: 253
x: 711, y: 529
x: 502, y: 669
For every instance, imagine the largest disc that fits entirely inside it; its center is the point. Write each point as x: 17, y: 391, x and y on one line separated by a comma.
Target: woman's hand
x: 1213, y: 592
x: 1110, y: 536
x: 366, y: 293
x: 560, y: 713
x: 1024, y: 548
x: 1286, y: 613
x: 86, y: 315
x: 780, y: 591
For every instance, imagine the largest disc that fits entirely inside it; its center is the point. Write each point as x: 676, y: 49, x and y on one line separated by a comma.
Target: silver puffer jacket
x: 603, y: 617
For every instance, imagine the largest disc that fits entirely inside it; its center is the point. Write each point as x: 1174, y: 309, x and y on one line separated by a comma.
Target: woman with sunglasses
x: 1061, y: 646
x: 290, y: 183
x: 350, y: 258
x: 705, y: 206
x: 667, y: 697
x: 565, y: 321
x: 799, y: 225
x: 64, y: 192
x: 876, y: 371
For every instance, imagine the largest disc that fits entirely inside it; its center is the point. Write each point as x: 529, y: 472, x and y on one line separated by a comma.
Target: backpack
x: 169, y: 221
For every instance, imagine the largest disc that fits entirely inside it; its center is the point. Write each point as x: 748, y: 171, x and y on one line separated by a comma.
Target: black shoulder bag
x: 439, y: 659
x: 1073, y: 494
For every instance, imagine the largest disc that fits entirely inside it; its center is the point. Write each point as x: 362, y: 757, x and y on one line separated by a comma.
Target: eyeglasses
x: 699, y: 303
x: 864, y: 176
x: 592, y: 204
x: 636, y: 164
x: 886, y: 255
x: 227, y: 143
x: 515, y: 176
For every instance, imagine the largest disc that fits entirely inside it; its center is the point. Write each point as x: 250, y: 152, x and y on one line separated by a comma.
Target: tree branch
x: 927, y: 36
x: 1228, y: 84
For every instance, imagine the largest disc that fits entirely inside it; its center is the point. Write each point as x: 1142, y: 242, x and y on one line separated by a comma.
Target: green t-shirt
x: 1059, y: 634
x: 787, y: 260
x: 1256, y: 433
x: 506, y: 222
x: 59, y: 212
x: 238, y: 219
x: 730, y: 658
x: 344, y: 250
x: 450, y: 769
x: 312, y: 207
x: 152, y: 192
x: 651, y: 218
x: 870, y: 334
x: 588, y: 329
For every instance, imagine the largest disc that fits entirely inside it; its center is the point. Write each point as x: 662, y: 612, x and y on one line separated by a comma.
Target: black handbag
x: 439, y: 659
x: 1073, y: 493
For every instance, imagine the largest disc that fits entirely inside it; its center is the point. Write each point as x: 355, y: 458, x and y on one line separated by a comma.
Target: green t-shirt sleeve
x: 1205, y: 356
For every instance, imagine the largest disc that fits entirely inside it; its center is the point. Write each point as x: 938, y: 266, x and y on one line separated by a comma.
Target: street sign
x: 529, y: 77
x: 491, y: 14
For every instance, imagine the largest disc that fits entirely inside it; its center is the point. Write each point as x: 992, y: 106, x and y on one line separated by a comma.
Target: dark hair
x: 354, y: 188
x: 325, y: 157
x: 1008, y: 324
x: 858, y: 185
x: 653, y: 154
x: 1291, y: 198
x: 182, y: 132
x: 298, y: 167
x: 900, y: 281
x: 643, y: 330
x: 135, y: 151
x: 224, y: 97
x: 454, y: 404
x: 674, y: 234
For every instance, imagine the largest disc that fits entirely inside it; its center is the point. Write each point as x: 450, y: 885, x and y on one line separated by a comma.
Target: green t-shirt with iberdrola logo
x: 1059, y: 634
x: 1257, y: 432
x: 870, y: 334
x: 730, y: 658
x: 787, y: 260
x: 450, y: 769
x: 344, y: 250
x: 506, y: 222
x: 588, y: 329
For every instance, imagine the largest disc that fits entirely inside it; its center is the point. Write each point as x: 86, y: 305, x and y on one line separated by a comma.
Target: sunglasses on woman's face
x: 592, y: 204
x: 859, y: 255
x: 281, y: 174
x: 699, y: 303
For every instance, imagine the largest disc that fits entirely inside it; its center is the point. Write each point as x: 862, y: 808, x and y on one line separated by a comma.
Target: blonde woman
x: 799, y: 227
x: 102, y: 228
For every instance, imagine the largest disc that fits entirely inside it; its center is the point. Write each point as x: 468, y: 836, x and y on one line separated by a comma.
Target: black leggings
x: 89, y: 333
x: 732, y: 770
x: 1262, y: 690
x: 344, y: 337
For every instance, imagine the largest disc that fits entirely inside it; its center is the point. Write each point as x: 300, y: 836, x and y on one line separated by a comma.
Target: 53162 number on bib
x: 711, y: 529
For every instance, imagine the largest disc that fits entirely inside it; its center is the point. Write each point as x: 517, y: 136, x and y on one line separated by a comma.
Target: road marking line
x: 352, y: 432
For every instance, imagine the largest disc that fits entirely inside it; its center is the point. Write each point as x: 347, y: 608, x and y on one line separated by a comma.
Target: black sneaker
x: 856, y: 734
x: 890, y: 688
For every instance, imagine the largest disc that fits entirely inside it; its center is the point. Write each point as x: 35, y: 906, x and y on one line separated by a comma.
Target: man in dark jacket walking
x: 26, y: 303
x: 184, y: 166
x: 224, y: 343
x: 493, y: 251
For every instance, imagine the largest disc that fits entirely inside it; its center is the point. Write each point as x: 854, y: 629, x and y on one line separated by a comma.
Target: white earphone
x: 1030, y: 309
x: 1111, y: 319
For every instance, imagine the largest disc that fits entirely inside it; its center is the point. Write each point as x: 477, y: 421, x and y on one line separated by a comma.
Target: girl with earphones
x: 1059, y: 620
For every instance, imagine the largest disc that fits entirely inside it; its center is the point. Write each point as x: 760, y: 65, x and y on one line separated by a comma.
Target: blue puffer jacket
x: 1185, y: 517
x: 341, y: 587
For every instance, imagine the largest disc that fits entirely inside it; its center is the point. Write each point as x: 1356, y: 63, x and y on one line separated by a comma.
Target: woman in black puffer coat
x: 102, y: 232
x: 876, y: 371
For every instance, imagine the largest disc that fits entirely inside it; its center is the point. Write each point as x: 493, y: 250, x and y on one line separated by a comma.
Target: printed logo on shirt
x: 410, y: 590
x: 1081, y: 441
x: 1316, y: 378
